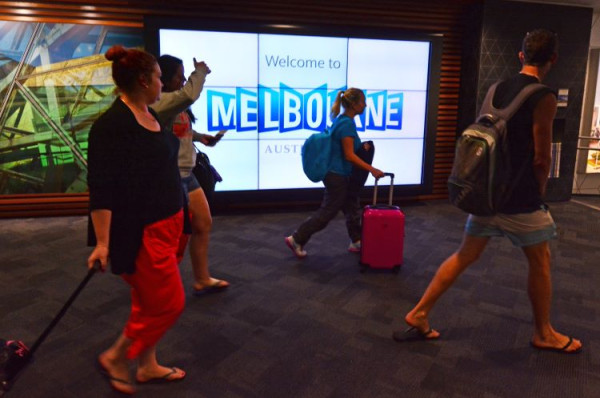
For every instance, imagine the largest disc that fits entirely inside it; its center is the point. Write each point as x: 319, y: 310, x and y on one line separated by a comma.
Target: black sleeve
x: 102, y: 164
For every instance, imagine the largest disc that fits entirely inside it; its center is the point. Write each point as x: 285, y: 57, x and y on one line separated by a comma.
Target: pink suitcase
x: 382, y: 241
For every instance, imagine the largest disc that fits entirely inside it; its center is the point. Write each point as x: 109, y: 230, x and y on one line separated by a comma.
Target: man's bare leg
x: 540, y: 294
x: 468, y: 252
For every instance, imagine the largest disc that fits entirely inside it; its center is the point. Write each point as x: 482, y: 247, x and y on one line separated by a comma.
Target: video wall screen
x: 271, y: 88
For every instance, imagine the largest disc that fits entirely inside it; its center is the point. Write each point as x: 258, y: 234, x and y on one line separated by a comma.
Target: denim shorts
x: 189, y: 184
x: 524, y: 229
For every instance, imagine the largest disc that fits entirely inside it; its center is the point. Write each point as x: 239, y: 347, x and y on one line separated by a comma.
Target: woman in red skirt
x: 136, y: 203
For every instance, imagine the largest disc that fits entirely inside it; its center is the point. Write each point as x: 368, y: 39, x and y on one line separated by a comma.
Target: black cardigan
x: 132, y: 172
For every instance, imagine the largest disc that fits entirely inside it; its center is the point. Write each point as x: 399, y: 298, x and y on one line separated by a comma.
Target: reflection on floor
x: 590, y: 201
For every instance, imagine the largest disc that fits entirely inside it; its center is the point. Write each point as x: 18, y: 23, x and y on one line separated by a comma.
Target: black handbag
x: 206, y: 175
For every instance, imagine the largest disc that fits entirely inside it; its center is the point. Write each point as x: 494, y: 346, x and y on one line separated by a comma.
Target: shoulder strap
x: 506, y: 113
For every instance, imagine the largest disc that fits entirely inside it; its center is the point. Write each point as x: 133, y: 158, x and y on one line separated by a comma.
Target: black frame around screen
x: 256, y: 198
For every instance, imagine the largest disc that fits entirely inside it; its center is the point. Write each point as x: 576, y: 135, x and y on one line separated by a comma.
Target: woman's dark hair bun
x: 115, y: 53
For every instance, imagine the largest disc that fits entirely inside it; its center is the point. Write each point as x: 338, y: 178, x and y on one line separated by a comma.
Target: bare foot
x: 557, y: 342
x: 159, y: 373
x: 117, y: 374
x: 421, y: 324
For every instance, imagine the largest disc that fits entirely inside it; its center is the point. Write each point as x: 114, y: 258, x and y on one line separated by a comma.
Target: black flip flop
x: 104, y: 372
x: 412, y: 334
x: 165, y: 378
x: 561, y: 350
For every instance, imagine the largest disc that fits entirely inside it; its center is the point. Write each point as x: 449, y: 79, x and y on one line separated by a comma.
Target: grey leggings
x: 339, y: 195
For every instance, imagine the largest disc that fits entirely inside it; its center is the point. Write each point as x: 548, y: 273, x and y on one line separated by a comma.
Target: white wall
x: 588, y: 184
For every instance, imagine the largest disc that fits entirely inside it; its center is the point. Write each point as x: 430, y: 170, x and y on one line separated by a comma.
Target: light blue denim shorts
x: 524, y: 229
x: 189, y: 184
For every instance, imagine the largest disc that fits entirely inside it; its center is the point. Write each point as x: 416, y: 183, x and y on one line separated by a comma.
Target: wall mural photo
x: 54, y: 82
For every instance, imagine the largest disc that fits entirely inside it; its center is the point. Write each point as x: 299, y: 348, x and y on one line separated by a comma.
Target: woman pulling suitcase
x: 338, y: 192
x: 136, y: 202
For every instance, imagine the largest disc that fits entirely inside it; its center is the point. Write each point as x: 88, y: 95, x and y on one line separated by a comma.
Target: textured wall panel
x: 505, y: 23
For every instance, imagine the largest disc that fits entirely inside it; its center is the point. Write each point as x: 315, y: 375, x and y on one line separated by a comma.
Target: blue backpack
x: 316, y: 155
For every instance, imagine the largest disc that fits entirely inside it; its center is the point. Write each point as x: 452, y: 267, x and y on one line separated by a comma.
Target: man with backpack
x: 523, y: 216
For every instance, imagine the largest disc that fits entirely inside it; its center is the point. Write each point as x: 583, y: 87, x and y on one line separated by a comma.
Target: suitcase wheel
x: 364, y: 267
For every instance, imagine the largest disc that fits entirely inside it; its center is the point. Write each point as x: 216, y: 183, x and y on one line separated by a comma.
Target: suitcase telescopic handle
x: 391, y: 175
x: 65, y: 307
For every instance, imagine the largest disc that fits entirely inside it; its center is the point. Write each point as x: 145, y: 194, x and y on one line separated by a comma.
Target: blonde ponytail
x: 335, y: 108
x: 345, y: 98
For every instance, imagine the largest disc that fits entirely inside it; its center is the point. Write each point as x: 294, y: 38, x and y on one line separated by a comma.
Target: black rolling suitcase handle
x: 391, y: 175
x: 16, y: 356
x: 65, y: 307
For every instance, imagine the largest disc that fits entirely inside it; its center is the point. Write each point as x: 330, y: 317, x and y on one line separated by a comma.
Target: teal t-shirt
x: 342, y: 127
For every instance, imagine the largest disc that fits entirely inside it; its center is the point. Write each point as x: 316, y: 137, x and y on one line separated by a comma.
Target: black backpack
x: 480, y: 181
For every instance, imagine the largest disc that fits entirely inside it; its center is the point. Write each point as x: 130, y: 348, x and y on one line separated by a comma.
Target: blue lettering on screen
x: 247, y: 107
x: 268, y: 119
x: 287, y: 109
x: 221, y: 111
x: 288, y: 62
x: 290, y: 109
x: 314, y: 102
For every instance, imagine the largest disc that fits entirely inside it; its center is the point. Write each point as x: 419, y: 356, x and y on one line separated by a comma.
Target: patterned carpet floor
x: 314, y: 328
